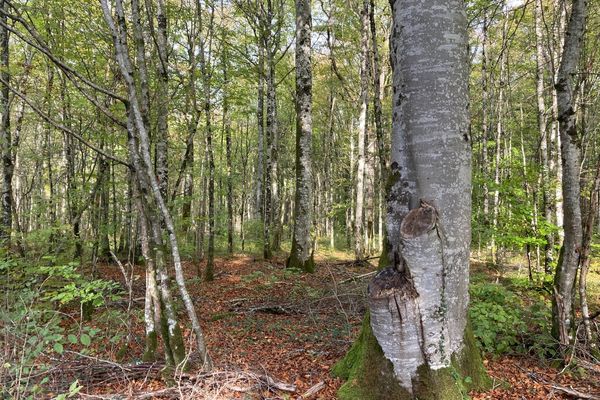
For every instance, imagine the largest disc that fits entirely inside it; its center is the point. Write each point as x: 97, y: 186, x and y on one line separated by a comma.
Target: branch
x: 41, y: 46
x: 63, y: 128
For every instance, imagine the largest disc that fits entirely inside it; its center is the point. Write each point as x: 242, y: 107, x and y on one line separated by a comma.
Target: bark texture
x: 301, y: 255
x: 5, y: 134
x: 417, y: 344
x: 359, y: 216
x: 139, y: 153
x: 564, y: 280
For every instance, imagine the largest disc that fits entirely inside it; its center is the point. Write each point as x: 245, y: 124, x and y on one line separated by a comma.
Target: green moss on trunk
x: 370, y: 376
x: 151, y: 346
x: 294, y: 262
x: 177, y: 345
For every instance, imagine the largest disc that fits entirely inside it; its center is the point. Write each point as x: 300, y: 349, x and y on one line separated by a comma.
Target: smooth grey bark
x: 419, y: 303
x: 500, y: 116
x: 377, y: 109
x: 162, y: 101
x: 301, y: 255
x: 207, y: 106
x: 556, y: 169
x: 260, y: 126
x: 119, y: 34
x: 485, y: 124
x: 272, y: 166
x: 228, y: 150
x: 141, y: 68
x: 6, y: 144
x: 547, y: 198
x: 359, y: 217
x: 564, y: 280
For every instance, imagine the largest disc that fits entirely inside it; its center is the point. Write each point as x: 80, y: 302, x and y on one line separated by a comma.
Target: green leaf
x: 74, y: 388
x: 72, y: 339
x: 58, y: 347
x: 85, y: 339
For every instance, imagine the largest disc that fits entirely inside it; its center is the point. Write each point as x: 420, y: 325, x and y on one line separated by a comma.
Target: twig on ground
x: 562, y: 389
x: 313, y: 390
x: 355, y: 278
x: 574, y: 393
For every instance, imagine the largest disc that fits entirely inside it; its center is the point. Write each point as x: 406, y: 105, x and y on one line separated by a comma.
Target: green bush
x: 496, y: 315
x: 507, y: 321
x: 31, y: 326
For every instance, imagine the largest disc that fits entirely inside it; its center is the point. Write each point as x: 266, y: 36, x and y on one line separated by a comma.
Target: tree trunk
x: 260, y: 126
x: 564, y: 280
x: 500, y: 115
x: 162, y: 100
x: 301, y: 255
x: 206, y: 84
x: 227, y: 131
x: 485, y: 125
x: 135, y: 120
x: 5, y: 135
x: 416, y: 343
x: 359, y: 243
x: 547, y: 198
x: 272, y: 168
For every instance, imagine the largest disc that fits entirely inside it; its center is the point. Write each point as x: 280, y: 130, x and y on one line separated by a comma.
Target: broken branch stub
x: 409, y: 311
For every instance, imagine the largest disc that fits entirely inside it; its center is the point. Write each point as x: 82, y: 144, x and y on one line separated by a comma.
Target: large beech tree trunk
x: 300, y: 255
x: 417, y: 344
x: 566, y: 272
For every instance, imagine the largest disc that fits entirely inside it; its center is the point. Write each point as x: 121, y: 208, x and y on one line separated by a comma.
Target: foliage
x: 513, y: 320
x: 496, y: 316
x: 33, y: 326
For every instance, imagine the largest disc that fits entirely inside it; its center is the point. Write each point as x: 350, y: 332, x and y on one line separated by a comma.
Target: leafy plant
x: 32, y: 326
x: 496, y: 315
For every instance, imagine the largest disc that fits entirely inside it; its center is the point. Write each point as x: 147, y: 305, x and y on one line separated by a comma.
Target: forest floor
x: 269, y: 329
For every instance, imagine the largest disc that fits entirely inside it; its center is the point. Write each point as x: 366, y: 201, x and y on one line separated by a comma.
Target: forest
x: 296, y: 199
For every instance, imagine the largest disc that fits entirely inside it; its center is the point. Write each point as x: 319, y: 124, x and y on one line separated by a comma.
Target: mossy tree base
x: 370, y: 376
x: 151, y: 346
x: 294, y: 261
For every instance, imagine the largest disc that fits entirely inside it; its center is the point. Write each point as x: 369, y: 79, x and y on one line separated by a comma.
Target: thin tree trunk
x: 564, y: 280
x: 5, y: 134
x: 301, y: 255
x: 260, y: 125
x: 359, y: 250
x: 121, y: 49
x: 545, y: 188
x: 162, y: 97
x: 485, y: 125
x: 206, y: 84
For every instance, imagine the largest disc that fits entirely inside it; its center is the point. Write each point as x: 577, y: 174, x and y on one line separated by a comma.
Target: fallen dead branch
x: 563, y: 389
x: 276, y: 309
x: 355, y: 278
x: 205, y: 385
x: 574, y: 393
x: 313, y: 390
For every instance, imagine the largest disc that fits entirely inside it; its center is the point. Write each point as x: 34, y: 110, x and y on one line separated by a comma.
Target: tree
x: 152, y: 205
x: 301, y: 255
x: 5, y: 134
x: 359, y: 242
x: 563, y: 315
x: 416, y: 343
